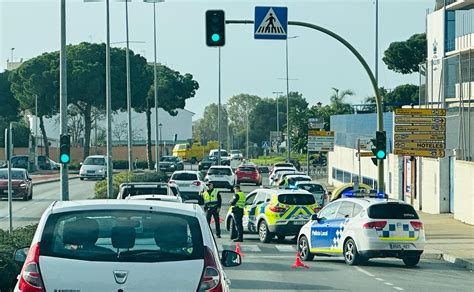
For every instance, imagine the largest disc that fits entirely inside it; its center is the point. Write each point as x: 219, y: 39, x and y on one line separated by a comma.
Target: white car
x: 278, y: 173
x: 166, y: 198
x: 221, y: 177
x: 225, y: 157
x: 274, y: 172
x: 190, y: 184
x: 95, y: 166
x: 146, y: 188
x: 317, y: 189
x: 236, y: 154
x: 119, y: 245
x: 360, y: 228
x: 293, y: 178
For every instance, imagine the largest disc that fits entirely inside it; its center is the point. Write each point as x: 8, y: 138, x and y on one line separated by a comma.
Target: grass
x: 270, y: 160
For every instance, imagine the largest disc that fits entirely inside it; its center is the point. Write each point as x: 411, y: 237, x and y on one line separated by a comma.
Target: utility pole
x: 129, y: 93
x: 8, y: 157
x: 108, y: 98
x: 63, y: 100
x: 288, y: 140
x: 278, y: 93
x: 219, y: 112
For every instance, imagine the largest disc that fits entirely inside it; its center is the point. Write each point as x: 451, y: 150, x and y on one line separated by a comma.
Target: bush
x: 123, y: 164
x: 123, y: 177
x: 9, y: 269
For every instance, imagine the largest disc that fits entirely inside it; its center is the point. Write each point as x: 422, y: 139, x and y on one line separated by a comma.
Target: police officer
x: 212, y: 206
x: 238, y: 204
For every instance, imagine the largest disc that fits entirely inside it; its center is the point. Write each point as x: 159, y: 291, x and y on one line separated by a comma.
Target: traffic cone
x: 237, y: 249
x: 298, y: 262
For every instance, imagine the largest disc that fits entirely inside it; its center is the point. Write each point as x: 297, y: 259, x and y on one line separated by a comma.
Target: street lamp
x: 288, y: 141
x: 12, y: 49
x: 155, y: 80
x: 160, y: 125
x: 278, y: 93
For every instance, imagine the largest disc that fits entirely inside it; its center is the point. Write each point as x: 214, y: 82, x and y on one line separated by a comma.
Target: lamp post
x: 278, y: 93
x: 161, y: 141
x: 288, y: 140
x: 155, y: 79
x: 12, y: 49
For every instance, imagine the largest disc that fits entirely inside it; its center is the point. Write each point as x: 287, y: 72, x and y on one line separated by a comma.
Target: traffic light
x: 65, y: 149
x: 379, y: 146
x: 215, y: 28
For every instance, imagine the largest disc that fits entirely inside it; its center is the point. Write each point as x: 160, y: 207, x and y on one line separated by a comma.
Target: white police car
x: 360, y: 228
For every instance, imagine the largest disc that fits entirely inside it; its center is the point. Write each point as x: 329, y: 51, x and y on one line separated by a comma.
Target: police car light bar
x: 364, y: 194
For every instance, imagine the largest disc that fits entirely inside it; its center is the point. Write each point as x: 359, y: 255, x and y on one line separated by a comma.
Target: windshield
x: 94, y: 161
x: 235, y: 151
x: 16, y: 174
x: 122, y: 236
x: 184, y: 176
x: 209, y: 158
x: 219, y: 171
x: 312, y: 188
x: 296, y: 199
x: 141, y: 190
x: 223, y: 153
x: 247, y: 168
x: 168, y: 158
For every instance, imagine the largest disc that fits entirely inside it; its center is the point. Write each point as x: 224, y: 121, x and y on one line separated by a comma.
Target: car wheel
x: 303, y: 248
x: 232, y: 229
x: 351, y: 255
x: 31, y: 195
x: 81, y: 178
x: 411, y: 261
x: 263, y: 232
x: 26, y: 197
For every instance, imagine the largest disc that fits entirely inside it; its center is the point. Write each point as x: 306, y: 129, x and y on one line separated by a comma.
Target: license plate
x: 246, y: 177
x: 90, y: 171
x: 401, y: 246
x: 299, y: 222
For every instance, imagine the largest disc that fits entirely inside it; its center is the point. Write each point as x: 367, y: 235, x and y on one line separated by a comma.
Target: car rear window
x: 16, y: 174
x: 248, y: 168
x: 311, y: 188
x: 296, y: 199
x: 135, y: 191
x: 392, y: 211
x: 220, y: 171
x: 122, y: 236
x: 184, y: 176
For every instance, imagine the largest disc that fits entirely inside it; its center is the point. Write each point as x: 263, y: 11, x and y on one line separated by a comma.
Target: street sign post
x: 320, y: 141
x: 271, y: 23
x: 420, y: 132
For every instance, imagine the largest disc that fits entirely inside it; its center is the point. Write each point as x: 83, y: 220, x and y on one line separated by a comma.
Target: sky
x: 317, y: 63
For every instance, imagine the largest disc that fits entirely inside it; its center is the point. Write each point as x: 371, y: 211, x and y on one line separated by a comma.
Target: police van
x: 363, y: 227
x: 275, y: 212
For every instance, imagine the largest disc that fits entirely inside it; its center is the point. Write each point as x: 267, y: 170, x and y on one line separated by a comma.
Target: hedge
x: 123, y: 177
x: 123, y: 164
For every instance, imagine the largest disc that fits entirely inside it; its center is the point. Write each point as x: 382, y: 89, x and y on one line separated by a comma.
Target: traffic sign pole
x: 63, y: 100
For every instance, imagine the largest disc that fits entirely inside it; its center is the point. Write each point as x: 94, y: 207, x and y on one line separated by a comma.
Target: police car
x: 360, y: 228
x: 270, y: 212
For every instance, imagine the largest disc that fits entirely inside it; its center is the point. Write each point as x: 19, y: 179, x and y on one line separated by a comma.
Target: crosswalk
x: 256, y: 248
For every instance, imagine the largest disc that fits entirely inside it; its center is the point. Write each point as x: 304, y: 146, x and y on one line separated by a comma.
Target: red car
x: 248, y: 174
x: 21, y: 184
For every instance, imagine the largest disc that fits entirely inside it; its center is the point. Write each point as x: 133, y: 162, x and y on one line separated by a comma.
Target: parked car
x: 190, y: 183
x: 207, y: 162
x: 170, y: 163
x: 22, y: 186
x: 248, y: 173
x: 278, y: 173
x: 225, y: 157
x: 277, y: 169
x: 318, y: 190
x: 221, y: 177
x: 146, y: 188
x: 117, y: 245
x: 165, y: 198
x: 95, y: 166
x: 236, y: 154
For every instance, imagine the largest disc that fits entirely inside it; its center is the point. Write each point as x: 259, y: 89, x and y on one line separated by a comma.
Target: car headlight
x: 101, y: 170
x: 23, y: 185
x: 172, y: 166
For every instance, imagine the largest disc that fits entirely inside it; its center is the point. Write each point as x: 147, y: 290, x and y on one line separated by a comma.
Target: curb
x: 459, y: 262
x: 51, y: 180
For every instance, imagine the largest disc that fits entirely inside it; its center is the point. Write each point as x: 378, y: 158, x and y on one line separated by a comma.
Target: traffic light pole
x: 219, y: 111
x: 378, y: 100
x: 63, y: 100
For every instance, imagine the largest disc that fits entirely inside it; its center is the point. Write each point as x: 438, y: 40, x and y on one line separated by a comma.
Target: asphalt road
x: 267, y: 267
x: 29, y: 212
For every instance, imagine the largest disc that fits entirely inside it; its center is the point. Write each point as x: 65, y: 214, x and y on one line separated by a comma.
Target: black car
x: 207, y: 162
x: 21, y: 161
x: 171, y: 163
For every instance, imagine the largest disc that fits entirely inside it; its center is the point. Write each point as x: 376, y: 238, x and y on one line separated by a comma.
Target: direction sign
x: 420, y: 145
x: 320, y: 140
x: 420, y: 128
x: 417, y: 120
x: 365, y: 154
x: 271, y: 23
x: 321, y: 133
x: 420, y: 112
x: 419, y: 137
x: 433, y: 153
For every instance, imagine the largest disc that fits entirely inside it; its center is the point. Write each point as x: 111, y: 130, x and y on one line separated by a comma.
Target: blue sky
x: 248, y: 65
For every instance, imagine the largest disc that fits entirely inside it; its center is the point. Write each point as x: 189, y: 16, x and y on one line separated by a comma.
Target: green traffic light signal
x: 381, y: 154
x: 64, y: 149
x: 379, y: 148
x: 215, y: 37
x: 65, y: 158
x: 215, y: 28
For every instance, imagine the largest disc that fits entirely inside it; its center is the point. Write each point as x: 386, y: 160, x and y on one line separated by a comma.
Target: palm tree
x: 337, y: 101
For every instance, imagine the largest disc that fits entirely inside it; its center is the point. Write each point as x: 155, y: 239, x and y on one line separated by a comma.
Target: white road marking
x: 365, y: 272
x: 252, y: 248
x: 398, y: 288
x: 269, y: 256
x: 389, y: 284
x: 220, y: 247
x: 24, y: 208
x: 285, y: 248
x: 379, y: 279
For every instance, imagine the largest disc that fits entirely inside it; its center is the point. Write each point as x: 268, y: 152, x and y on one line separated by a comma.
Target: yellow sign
x: 416, y: 120
x: 366, y: 154
x: 420, y: 128
x: 420, y: 112
x: 321, y: 133
x: 433, y: 153
x: 420, y: 137
x: 419, y: 145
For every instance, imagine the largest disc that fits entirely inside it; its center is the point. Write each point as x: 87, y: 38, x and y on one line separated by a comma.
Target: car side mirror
x: 315, y: 217
x: 267, y: 200
x: 231, y: 258
x: 20, y: 254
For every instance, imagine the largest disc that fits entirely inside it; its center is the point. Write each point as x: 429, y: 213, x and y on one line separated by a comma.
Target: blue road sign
x: 271, y: 23
x: 265, y: 145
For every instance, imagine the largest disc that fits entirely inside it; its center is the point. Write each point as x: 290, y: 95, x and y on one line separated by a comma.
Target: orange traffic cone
x: 237, y: 249
x: 298, y: 262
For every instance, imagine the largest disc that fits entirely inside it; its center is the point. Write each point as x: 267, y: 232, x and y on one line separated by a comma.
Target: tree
x: 238, y: 107
x: 10, y: 109
x: 338, y: 105
x: 206, y: 127
x: 38, y: 78
x: 404, y: 94
x: 173, y: 91
x: 404, y: 57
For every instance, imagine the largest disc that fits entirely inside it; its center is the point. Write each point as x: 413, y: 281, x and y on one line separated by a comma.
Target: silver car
x: 95, y: 167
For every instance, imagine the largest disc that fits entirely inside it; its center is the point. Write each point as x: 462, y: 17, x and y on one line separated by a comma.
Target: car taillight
x: 277, y: 209
x: 417, y: 225
x: 379, y: 225
x: 211, y: 278
x: 30, y: 280
x: 197, y: 183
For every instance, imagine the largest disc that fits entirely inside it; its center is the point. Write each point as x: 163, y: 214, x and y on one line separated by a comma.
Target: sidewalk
x: 449, y: 239
x: 48, y: 177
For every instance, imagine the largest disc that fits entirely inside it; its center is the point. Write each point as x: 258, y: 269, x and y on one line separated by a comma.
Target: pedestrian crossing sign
x: 271, y: 23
